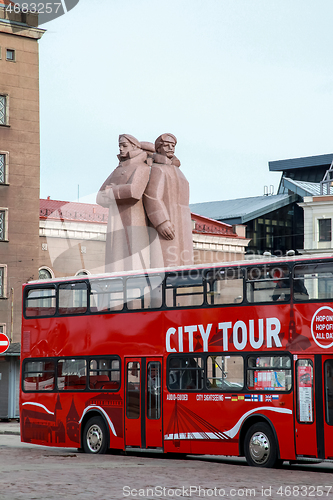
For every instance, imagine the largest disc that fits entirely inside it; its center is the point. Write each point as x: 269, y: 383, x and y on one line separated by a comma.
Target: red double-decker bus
x: 233, y: 359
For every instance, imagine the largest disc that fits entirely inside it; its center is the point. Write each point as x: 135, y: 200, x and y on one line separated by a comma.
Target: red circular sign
x: 4, y: 343
x: 322, y: 327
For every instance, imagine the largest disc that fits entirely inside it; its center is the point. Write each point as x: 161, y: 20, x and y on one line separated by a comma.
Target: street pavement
x: 30, y: 472
x: 12, y: 427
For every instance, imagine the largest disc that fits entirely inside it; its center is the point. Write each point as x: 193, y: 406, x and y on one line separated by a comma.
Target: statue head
x: 127, y: 143
x: 165, y: 145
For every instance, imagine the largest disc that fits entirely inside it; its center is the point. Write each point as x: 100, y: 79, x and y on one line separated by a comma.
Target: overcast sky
x: 239, y: 82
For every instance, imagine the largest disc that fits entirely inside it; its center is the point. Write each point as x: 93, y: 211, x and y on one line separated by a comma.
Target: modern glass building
x: 274, y: 223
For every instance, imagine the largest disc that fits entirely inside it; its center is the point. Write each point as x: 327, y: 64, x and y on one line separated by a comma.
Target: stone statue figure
x: 127, y: 239
x: 166, y: 200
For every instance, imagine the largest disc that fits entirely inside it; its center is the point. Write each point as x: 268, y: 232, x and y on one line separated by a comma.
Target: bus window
x: 133, y: 390
x: 144, y: 292
x: 73, y: 298
x: 225, y: 286
x: 269, y: 373
x: 40, y: 302
x: 72, y: 374
x: 104, y: 374
x: 304, y: 380
x: 225, y: 373
x: 106, y: 295
x: 313, y: 281
x: 154, y: 390
x: 38, y: 375
x: 184, y: 289
x: 268, y: 284
x: 328, y: 370
x: 185, y: 373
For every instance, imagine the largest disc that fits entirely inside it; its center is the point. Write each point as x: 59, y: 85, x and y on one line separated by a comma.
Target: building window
x: 2, y: 225
x: 45, y: 273
x: 3, y: 168
x: 325, y: 229
x: 3, y: 328
x: 82, y: 272
x: 3, y: 283
x: 3, y: 110
x: 10, y: 55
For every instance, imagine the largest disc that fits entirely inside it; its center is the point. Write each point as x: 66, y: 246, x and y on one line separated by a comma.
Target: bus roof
x: 250, y: 260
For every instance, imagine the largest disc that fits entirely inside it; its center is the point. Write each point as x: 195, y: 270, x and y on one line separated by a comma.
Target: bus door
x: 143, y: 402
x: 309, y: 420
x: 328, y: 404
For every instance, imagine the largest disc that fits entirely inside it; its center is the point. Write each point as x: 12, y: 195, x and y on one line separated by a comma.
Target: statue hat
x: 131, y: 139
x: 165, y: 138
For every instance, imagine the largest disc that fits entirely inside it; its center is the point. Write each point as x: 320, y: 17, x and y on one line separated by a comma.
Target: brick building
x: 19, y: 182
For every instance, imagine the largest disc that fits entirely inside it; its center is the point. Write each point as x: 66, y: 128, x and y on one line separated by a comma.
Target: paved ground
x: 29, y: 472
x: 11, y: 427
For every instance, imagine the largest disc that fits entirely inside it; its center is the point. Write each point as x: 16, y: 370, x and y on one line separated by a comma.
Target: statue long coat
x: 127, y: 240
x: 167, y: 198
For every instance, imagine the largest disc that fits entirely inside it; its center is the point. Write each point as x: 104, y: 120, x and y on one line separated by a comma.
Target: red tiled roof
x: 72, y: 211
x: 88, y: 212
x: 7, y: 2
x: 204, y: 225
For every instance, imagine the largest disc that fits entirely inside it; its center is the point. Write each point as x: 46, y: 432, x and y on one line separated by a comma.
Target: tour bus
x: 230, y: 359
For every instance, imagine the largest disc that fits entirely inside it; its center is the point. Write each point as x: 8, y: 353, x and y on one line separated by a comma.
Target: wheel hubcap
x: 259, y: 448
x: 94, y: 438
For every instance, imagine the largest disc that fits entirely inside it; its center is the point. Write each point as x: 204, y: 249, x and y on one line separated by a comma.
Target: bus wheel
x: 95, y: 436
x: 260, y: 446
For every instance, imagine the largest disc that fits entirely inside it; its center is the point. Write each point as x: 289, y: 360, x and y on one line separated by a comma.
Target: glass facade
x: 277, y: 232
x: 308, y: 174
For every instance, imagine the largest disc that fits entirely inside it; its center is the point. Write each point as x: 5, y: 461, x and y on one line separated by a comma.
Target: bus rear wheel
x: 260, y: 446
x: 95, y: 436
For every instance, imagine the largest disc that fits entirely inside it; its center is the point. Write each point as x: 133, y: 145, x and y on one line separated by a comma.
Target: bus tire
x: 260, y: 446
x: 95, y: 436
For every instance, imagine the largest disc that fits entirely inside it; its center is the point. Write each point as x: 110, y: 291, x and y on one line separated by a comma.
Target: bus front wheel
x: 95, y: 436
x: 260, y: 446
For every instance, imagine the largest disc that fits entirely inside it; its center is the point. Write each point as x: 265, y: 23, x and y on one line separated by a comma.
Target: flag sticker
x: 259, y: 397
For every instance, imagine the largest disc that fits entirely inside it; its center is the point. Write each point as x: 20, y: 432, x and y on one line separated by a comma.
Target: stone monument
x: 166, y: 200
x: 127, y: 239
